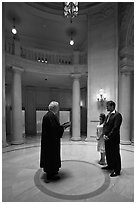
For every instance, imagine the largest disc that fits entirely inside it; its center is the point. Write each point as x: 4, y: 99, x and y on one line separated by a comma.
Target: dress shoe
x: 47, y: 180
x: 55, y: 178
x: 113, y: 174
x: 106, y: 168
x: 101, y: 163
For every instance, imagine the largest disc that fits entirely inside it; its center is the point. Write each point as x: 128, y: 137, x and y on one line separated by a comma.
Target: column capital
x: 125, y: 51
x: 126, y: 71
x: 17, y: 69
x: 126, y: 59
x: 76, y: 75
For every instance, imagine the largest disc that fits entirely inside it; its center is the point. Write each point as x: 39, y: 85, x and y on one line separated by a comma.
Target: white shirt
x: 113, y: 112
x: 110, y: 115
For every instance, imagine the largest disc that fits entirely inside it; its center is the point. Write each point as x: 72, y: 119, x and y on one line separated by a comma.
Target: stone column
x: 17, y: 137
x: 4, y: 143
x: 124, y: 106
x: 132, y: 108
x: 76, y: 108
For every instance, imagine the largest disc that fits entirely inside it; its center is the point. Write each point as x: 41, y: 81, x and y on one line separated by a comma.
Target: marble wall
x: 102, y: 60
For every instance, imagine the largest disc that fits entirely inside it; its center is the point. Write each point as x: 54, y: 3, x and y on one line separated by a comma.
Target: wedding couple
x: 108, y: 137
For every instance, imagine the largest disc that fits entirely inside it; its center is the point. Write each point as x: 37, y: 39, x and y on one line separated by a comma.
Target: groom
x: 111, y: 132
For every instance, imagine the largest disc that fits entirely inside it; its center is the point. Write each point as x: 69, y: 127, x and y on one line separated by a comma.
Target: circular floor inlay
x: 78, y: 180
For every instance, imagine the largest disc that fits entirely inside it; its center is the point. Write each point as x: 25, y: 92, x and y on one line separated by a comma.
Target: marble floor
x: 81, y: 177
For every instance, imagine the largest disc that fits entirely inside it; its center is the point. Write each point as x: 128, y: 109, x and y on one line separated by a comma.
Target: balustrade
x: 83, y: 58
x: 42, y: 56
x: 9, y: 47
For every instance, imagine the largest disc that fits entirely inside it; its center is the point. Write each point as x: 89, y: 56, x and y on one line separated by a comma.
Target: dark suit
x: 111, y: 129
x: 50, y: 143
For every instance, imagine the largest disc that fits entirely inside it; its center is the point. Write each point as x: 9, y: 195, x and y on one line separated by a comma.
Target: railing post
x: 17, y: 50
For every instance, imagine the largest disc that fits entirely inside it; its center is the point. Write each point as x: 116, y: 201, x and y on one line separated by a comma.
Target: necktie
x: 108, y: 117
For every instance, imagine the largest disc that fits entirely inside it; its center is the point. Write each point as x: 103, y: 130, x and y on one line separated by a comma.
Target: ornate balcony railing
x: 42, y: 56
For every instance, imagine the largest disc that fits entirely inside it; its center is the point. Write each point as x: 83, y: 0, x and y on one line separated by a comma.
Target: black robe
x: 50, y: 143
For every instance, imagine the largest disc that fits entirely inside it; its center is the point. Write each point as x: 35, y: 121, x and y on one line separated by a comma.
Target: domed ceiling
x: 42, y: 25
x: 57, y: 7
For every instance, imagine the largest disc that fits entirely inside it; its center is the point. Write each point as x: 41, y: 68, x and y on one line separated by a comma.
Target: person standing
x: 52, y: 131
x: 100, y: 139
x: 111, y: 132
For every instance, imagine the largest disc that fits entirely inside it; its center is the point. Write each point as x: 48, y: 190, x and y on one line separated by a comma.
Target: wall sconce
x: 81, y: 103
x: 101, y: 100
x: 101, y: 96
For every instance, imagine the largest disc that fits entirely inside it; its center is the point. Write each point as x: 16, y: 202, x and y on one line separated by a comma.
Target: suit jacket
x: 111, y: 128
x: 50, y: 142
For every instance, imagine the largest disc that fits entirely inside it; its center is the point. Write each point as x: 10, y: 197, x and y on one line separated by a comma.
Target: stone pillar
x: 4, y: 143
x: 17, y: 137
x: 132, y: 108
x: 124, y: 106
x: 76, y: 108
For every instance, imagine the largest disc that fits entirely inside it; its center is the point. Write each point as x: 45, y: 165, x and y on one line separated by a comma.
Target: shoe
x: 51, y: 175
x: 106, y: 168
x: 47, y: 180
x: 113, y: 174
x: 55, y: 178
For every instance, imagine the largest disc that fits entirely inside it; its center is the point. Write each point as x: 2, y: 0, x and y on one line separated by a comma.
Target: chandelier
x: 70, y: 10
x: 14, y: 30
x: 71, y: 40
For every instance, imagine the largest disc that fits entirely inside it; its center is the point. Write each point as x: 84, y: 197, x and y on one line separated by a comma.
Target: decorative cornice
x: 17, y: 69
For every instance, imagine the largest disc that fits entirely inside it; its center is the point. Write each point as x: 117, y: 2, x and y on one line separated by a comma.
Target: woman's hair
x: 102, y: 115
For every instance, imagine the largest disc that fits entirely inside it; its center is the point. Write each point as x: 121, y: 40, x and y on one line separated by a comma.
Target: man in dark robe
x: 52, y: 131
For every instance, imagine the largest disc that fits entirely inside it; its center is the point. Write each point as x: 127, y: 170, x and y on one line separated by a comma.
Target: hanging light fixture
x: 70, y: 10
x: 14, y: 30
x: 71, y: 40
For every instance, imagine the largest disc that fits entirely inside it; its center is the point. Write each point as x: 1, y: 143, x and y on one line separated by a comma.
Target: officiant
x: 52, y: 131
